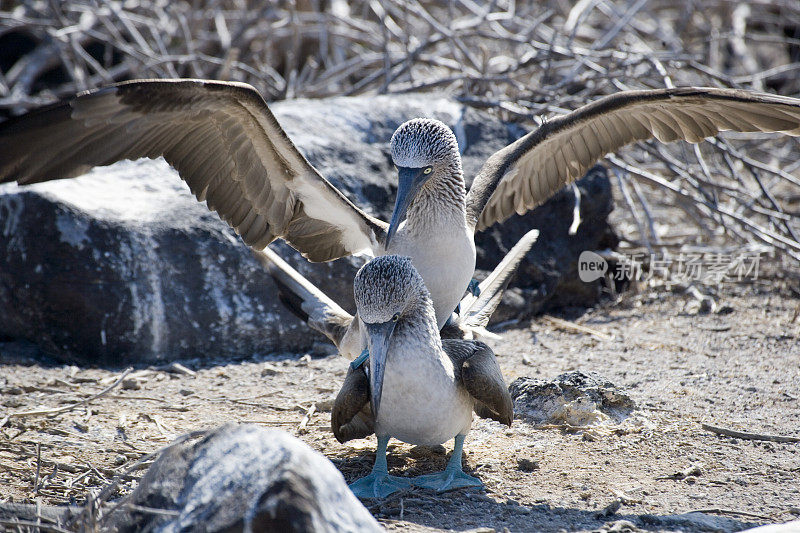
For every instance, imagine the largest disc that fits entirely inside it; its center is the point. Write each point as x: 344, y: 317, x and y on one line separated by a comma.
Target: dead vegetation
x: 525, y: 60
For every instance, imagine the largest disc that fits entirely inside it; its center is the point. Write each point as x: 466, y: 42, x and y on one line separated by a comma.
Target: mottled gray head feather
x: 387, y: 285
x: 423, y: 141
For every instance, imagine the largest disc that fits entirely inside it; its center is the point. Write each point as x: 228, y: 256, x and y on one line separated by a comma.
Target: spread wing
x: 527, y: 172
x: 482, y: 378
x: 351, y: 416
x: 221, y: 138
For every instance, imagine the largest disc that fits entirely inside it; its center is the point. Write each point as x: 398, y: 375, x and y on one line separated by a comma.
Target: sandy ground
x: 739, y: 370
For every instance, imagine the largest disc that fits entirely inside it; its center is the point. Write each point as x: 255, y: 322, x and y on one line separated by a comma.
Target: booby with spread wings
x: 226, y: 144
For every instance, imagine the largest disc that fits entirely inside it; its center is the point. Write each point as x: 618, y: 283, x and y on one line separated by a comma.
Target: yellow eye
x: 396, y: 317
x: 428, y: 170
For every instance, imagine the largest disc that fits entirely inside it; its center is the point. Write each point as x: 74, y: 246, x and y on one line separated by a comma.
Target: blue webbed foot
x: 448, y: 479
x: 378, y: 485
x: 452, y: 477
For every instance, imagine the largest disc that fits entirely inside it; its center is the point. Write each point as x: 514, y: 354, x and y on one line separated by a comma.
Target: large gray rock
x: 242, y: 478
x: 124, y: 265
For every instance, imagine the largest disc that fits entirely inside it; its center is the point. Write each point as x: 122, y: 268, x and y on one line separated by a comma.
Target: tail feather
x: 305, y: 300
x: 476, y: 311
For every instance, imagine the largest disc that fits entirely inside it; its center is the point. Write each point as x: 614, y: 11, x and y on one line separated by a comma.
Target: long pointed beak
x: 378, y: 338
x: 410, y: 180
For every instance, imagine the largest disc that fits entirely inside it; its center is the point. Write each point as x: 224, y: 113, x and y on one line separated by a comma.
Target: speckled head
x: 427, y: 158
x: 422, y: 142
x: 387, y: 286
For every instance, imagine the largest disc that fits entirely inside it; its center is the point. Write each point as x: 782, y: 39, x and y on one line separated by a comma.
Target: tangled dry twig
x: 523, y: 60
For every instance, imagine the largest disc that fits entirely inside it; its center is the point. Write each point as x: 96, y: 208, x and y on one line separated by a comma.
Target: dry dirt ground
x: 739, y: 370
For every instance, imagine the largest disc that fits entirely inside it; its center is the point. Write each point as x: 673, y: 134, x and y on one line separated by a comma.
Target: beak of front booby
x: 410, y: 181
x: 378, y: 338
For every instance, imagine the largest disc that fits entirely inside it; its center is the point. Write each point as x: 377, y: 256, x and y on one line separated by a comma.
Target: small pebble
x: 269, y: 370
x: 527, y: 465
x: 131, y: 384
x: 610, y: 509
x: 325, y: 405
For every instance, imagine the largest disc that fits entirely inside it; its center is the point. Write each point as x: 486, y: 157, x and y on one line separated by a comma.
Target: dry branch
x: 522, y: 60
x: 748, y: 436
x: 70, y: 407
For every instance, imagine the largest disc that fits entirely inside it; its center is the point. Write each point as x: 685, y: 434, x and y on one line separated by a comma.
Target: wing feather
x: 220, y: 137
x: 480, y: 374
x: 351, y: 416
x: 664, y: 129
x: 527, y: 172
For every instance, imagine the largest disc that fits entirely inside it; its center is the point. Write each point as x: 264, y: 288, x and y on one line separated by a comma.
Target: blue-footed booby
x: 321, y: 313
x: 421, y: 389
x: 226, y: 144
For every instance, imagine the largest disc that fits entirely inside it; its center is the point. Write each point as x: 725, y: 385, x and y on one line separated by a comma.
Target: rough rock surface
x: 240, y: 476
x: 125, y: 265
x: 575, y: 398
x: 695, y: 521
x: 548, y: 276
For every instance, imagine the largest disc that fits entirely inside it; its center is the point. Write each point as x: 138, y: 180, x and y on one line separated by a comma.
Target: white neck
x: 419, y: 323
x: 436, y: 237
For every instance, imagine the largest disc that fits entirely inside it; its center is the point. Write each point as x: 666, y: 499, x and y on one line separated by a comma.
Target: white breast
x: 421, y: 403
x: 444, y: 257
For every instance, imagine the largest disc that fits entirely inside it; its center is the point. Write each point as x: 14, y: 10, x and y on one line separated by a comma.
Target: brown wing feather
x: 221, y: 138
x: 351, y: 416
x: 527, y: 172
x: 481, y: 376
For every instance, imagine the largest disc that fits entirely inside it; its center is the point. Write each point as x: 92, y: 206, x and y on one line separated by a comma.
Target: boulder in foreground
x: 241, y: 478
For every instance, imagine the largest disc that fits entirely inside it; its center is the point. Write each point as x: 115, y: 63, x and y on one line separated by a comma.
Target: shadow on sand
x: 468, y: 509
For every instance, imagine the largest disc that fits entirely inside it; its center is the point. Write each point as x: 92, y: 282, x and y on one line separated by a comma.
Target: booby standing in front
x: 420, y: 389
x: 226, y: 144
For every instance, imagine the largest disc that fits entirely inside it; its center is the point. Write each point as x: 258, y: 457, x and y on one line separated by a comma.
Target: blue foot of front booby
x: 379, y: 484
x: 452, y: 477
